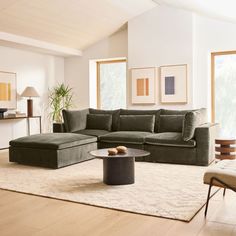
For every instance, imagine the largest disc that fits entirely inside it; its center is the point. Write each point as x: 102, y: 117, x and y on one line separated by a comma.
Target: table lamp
x: 30, y: 92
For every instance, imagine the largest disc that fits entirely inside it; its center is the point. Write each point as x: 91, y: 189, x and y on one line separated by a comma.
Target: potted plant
x: 60, y: 97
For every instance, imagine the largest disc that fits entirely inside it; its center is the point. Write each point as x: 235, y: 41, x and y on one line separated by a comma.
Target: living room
x: 150, y: 97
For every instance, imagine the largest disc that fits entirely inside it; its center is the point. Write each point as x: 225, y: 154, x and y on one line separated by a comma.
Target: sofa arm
x: 75, y: 120
x: 205, y: 137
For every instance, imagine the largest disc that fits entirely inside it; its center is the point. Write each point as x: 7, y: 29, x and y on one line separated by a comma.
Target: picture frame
x: 173, y: 84
x: 8, y: 94
x: 143, y: 83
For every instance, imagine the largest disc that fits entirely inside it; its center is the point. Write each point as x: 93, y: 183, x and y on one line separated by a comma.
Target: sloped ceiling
x: 220, y: 9
x: 68, y: 23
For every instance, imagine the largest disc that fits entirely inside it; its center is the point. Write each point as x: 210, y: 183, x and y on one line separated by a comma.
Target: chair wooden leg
x: 224, y: 192
x: 208, y: 198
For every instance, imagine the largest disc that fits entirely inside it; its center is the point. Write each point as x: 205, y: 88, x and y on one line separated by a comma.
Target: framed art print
x: 143, y: 85
x: 7, y: 90
x: 173, y: 84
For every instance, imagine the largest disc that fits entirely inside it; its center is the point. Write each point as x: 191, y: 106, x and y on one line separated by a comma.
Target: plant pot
x: 58, y: 128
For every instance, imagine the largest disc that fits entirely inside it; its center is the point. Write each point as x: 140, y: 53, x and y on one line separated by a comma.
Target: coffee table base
x: 118, y: 171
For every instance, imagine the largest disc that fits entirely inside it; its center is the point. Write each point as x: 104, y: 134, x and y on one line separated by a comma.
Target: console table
x: 27, y: 118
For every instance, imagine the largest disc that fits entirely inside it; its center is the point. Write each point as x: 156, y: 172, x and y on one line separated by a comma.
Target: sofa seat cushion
x: 92, y: 132
x: 53, y: 141
x: 169, y: 139
x: 134, y: 137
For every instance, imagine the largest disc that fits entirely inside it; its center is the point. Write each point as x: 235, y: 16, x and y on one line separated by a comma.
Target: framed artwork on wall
x: 7, y: 90
x: 173, y: 84
x: 143, y: 85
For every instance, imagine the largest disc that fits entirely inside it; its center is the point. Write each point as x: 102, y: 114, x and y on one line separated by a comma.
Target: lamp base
x: 29, y: 107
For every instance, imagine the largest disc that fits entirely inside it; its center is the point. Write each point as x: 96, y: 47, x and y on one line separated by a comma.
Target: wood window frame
x: 213, y: 55
x: 98, y: 76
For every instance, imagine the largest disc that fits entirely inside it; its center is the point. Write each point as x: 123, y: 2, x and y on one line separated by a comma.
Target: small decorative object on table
x: 121, y: 149
x: 117, y: 150
x: 227, y: 151
x: 112, y: 151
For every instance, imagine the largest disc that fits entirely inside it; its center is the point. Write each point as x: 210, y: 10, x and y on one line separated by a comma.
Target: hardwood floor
x: 22, y: 214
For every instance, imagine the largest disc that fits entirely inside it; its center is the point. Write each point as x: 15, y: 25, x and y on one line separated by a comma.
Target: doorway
x: 224, y: 91
x: 111, y: 84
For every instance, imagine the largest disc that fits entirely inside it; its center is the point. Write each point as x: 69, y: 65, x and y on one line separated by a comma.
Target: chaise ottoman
x: 53, y: 150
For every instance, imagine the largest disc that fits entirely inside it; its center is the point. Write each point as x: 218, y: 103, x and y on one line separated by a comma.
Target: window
x: 111, y: 84
x: 224, y: 91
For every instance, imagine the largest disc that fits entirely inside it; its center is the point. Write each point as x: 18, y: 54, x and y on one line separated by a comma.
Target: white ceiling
x: 220, y: 9
x: 68, y: 23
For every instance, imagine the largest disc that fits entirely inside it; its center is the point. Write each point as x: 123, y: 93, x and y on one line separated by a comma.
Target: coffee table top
x: 131, y: 152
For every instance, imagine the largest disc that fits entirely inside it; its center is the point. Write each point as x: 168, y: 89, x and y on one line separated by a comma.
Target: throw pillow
x: 137, y: 123
x: 192, y: 119
x: 170, y: 123
x: 99, y: 121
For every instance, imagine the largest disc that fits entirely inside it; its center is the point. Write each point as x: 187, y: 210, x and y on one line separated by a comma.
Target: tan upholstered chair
x: 223, y: 175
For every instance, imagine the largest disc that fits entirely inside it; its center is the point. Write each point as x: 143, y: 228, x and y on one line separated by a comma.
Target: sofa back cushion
x: 192, y: 120
x: 170, y: 123
x: 174, y: 112
x: 115, y: 116
x: 202, y: 113
x: 137, y: 123
x: 99, y: 121
x: 156, y: 113
x: 75, y: 120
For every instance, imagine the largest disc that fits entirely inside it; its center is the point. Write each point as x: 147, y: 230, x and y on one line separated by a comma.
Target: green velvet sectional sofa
x: 171, y: 136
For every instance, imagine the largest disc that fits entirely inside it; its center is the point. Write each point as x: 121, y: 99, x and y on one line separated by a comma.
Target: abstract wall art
x: 143, y: 85
x: 7, y: 90
x: 173, y: 84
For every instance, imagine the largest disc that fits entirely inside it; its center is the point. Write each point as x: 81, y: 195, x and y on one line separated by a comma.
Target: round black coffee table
x: 118, y: 169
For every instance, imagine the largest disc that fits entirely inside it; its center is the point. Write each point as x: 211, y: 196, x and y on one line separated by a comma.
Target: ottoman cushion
x: 54, y: 150
x: 53, y: 141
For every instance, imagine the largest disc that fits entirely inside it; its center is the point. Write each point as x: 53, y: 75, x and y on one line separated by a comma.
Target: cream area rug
x: 163, y: 190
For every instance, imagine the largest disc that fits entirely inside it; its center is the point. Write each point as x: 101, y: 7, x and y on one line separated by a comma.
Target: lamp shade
x: 30, y: 92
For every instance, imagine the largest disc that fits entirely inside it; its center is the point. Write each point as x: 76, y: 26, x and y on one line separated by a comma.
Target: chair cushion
x: 53, y: 141
x: 224, y: 170
x: 134, y: 137
x: 99, y: 121
x: 170, y: 123
x: 115, y: 116
x: 137, y: 123
x: 92, y: 132
x: 143, y: 112
x: 169, y: 139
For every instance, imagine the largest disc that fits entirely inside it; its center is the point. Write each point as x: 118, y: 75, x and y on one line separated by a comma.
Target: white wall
x: 33, y: 69
x: 161, y: 36
x: 210, y: 36
x: 77, y: 68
